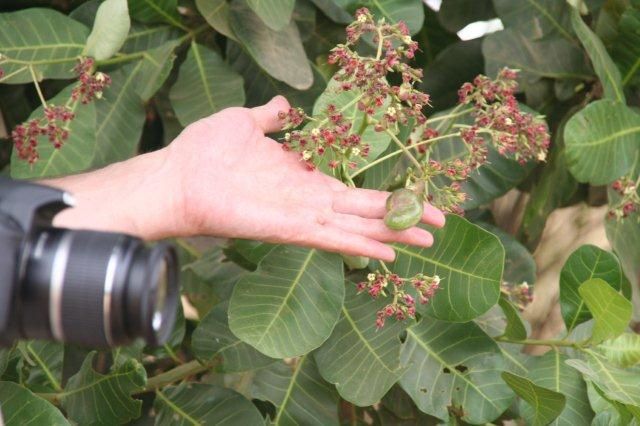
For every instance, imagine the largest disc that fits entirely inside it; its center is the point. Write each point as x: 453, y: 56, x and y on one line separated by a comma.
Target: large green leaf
x: 143, y: 37
x: 76, y: 153
x: 216, y: 13
x: 535, y: 18
x: 411, y: 12
x: 608, y: 411
x: 454, y: 15
x: 623, y: 351
x: 515, y: 328
x: 155, y: 11
x: 551, y: 372
x: 545, y: 403
x: 205, y: 85
x: 154, y: 68
x: 333, y: 11
x: 585, y: 263
x: 280, y: 53
x: 35, y: 37
x: 519, y: 265
x: 360, y: 360
x: 603, y: 65
x: 616, y: 383
x: 291, y: 303
x: 469, y: 261
x: 551, y: 58
x: 626, y: 47
x: 260, y: 87
x: 454, y: 366
x: 19, y: 406
x: 120, y: 118
x: 610, y: 309
x: 300, y: 394
x: 91, y: 397
x: 212, y: 338
x: 109, y: 31
x: 43, y: 361
x: 276, y: 14
x: 601, y: 141
x: 203, y: 404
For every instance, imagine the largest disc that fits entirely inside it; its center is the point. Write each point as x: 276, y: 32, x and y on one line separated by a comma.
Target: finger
x: 334, y: 239
x: 377, y: 230
x: 370, y: 204
x: 266, y: 116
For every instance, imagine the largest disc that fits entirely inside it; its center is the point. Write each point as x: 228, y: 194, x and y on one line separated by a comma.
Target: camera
x: 95, y: 289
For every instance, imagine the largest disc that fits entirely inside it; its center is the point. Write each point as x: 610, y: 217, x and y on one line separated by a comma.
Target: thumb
x: 266, y: 116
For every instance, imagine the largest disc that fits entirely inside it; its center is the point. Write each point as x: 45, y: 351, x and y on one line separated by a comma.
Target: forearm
x: 133, y: 196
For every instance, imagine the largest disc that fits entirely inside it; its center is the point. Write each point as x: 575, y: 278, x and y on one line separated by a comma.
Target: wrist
x: 135, y: 196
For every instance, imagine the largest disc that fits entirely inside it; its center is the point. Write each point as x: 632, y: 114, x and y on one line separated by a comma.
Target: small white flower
x: 315, y: 132
x: 287, y: 136
x: 542, y: 155
x: 306, y: 155
x: 629, y: 190
x: 391, y: 111
x: 362, y: 19
x: 371, y: 277
x: 100, y: 76
x: 436, y: 280
x: 407, y: 39
x: 355, y: 151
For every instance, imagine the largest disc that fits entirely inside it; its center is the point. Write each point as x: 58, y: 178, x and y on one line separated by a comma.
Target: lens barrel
x: 96, y: 289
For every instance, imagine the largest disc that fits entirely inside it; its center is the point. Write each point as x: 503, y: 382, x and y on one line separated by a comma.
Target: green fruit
x: 404, y: 210
x: 355, y: 262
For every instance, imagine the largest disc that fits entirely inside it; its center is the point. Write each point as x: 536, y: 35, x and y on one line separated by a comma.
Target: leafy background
x: 314, y: 357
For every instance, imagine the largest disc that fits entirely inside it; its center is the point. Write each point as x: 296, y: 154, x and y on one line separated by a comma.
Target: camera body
x: 95, y: 289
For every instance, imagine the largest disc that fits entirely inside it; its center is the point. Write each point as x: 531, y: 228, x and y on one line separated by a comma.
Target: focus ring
x: 82, y: 308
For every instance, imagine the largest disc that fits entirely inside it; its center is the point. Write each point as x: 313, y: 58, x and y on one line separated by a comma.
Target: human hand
x: 223, y: 177
x: 236, y: 182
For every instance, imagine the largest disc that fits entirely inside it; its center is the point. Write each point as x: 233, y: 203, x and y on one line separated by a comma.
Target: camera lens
x: 96, y: 289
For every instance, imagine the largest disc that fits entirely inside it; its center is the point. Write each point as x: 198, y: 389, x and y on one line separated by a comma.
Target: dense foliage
x: 288, y: 334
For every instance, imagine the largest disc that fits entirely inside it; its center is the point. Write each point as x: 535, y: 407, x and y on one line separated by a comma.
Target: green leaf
x: 585, y: 263
x: 109, y: 31
x: 76, y: 153
x: 515, y: 327
x: 300, y: 394
x: 535, y: 18
x: 19, y: 406
x: 606, y: 70
x: 547, y: 404
x: 519, y: 265
x: 411, y: 12
x: 601, y: 141
x: 35, y: 37
x: 626, y: 46
x: 155, y: 11
x: 147, y: 37
x: 276, y: 14
x: 153, y: 70
x: 205, y: 86
x: 260, y: 87
x: 43, y: 361
x: 120, y: 117
x: 468, y: 259
x: 216, y: 13
x: 280, y: 53
x: 554, y: 58
x: 360, y: 360
x: 616, y: 383
x: 333, y: 11
x: 623, y: 351
x: 454, y: 366
x: 213, y: 338
x: 200, y: 404
x: 291, y: 303
x: 5, y: 354
x: 454, y: 15
x: 90, y: 397
x: 611, y: 311
x: 550, y: 371
x: 609, y: 412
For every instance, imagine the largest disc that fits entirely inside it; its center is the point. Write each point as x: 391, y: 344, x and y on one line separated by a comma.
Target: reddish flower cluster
x: 629, y: 201
x: 2, y: 73
x: 53, y: 125
x: 334, y: 135
x: 90, y: 86
x: 403, y: 305
x: 497, y: 111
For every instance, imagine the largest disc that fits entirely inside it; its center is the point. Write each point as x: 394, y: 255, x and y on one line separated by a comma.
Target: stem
x: 35, y: 82
x: 537, y: 342
x: 405, y: 150
x: 380, y: 40
x: 16, y: 72
x: 178, y: 373
x: 121, y: 58
x: 453, y: 114
x: 41, y: 62
x: 400, y: 151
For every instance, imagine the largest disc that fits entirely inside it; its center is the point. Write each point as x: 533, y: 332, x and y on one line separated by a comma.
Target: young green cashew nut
x: 404, y: 210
